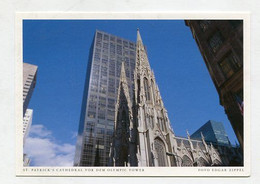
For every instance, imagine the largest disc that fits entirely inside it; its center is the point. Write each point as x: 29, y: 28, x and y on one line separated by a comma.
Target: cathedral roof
x: 186, y: 143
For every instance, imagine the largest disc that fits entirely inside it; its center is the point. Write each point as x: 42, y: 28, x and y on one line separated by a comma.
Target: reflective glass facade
x: 213, y: 132
x: 98, y: 105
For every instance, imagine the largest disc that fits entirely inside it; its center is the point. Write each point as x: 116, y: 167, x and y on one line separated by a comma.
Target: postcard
x: 149, y: 94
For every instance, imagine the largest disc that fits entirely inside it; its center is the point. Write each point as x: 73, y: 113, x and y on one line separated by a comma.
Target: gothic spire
x: 139, y: 39
x: 141, y: 56
x: 123, y: 92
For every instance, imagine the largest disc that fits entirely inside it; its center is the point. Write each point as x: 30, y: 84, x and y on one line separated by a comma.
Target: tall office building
x: 221, y: 45
x: 29, y: 82
x: 213, y: 132
x: 27, y: 121
x: 96, y: 124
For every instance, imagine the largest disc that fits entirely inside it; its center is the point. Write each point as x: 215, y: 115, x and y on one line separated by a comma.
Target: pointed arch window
x: 153, y: 91
x: 186, y: 161
x: 146, y: 90
x: 202, y: 162
x: 161, y: 152
x: 138, y: 90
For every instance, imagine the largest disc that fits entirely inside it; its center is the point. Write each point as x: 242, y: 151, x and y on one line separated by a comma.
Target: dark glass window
x: 101, y: 114
x: 91, y: 114
x: 204, y: 24
x: 226, y: 68
x: 105, y: 60
x: 131, y: 46
x: 111, y: 114
x: 112, y: 67
x: 106, y: 37
x: 105, y: 45
x: 119, y: 49
x: 112, y: 38
x: 229, y: 65
x: 216, y: 41
x: 112, y: 48
x: 132, y: 54
x: 111, y: 103
x: 97, y: 56
x: 119, y: 41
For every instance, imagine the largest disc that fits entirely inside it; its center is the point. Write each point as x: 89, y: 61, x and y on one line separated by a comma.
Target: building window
x: 146, y: 89
x: 229, y: 65
x: 106, y: 37
x: 216, y: 41
x: 119, y: 41
x: 204, y: 24
x: 91, y: 114
x: 161, y: 152
x: 186, y: 161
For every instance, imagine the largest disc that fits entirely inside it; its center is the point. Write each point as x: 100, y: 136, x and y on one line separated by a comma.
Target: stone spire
x: 122, y: 74
x: 141, y: 56
x: 123, y: 90
x: 139, y: 38
x: 123, y: 127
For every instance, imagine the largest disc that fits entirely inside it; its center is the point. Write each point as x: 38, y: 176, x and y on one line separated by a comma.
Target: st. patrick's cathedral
x: 143, y: 136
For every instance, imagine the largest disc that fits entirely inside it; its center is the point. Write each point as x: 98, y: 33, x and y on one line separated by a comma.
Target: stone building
x: 143, y: 135
x: 221, y: 45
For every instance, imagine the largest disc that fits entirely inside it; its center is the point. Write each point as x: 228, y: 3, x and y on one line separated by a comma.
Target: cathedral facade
x: 143, y: 136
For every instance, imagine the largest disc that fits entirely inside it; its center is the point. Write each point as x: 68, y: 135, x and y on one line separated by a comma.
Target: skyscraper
x: 221, y: 45
x: 213, y: 132
x: 27, y: 121
x: 100, y: 92
x: 29, y: 82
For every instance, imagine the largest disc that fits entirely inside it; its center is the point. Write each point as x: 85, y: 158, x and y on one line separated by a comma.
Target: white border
x: 144, y: 171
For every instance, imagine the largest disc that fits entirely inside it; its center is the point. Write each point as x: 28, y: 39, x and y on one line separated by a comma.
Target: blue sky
x: 60, y: 49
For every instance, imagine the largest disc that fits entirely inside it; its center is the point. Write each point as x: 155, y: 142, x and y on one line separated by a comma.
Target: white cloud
x: 39, y: 131
x: 43, y: 150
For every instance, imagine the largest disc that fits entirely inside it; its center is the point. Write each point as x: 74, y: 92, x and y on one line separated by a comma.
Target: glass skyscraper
x: 213, y: 132
x: 96, y: 124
